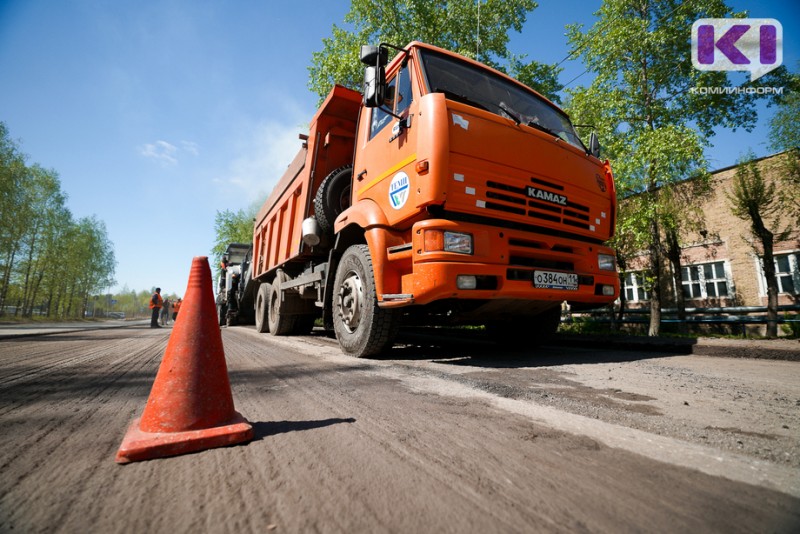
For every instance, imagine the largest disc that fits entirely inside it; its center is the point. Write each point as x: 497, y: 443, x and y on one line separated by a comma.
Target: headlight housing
x: 606, y: 262
x: 458, y: 242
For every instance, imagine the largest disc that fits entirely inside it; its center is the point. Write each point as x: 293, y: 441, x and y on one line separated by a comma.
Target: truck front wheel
x: 262, y: 303
x: 361, y: 326
x: 280, y: 324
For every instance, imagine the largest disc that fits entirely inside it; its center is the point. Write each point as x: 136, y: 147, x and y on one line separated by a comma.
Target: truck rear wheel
x: 280, y: 324
x: 262, y: 301
x: 361, y: 326
x: 333, y: 197
x: 222, y: 311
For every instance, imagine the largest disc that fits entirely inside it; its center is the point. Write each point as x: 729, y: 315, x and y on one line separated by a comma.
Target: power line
x: 603, y: 26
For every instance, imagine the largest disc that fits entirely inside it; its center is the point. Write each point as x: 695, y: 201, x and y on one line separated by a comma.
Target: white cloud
x: 264, y: 154
x: 190, y: 147
x: 167, y: 153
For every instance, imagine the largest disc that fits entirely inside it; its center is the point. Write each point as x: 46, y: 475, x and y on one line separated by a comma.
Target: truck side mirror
x: 374, y: 86
x: 374, y: 55
x: 594, y: 145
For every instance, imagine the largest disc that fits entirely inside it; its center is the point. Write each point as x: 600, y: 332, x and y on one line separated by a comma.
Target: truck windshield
x: 469, y: 84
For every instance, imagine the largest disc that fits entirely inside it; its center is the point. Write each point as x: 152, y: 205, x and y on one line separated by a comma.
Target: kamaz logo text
x: 754, y: 45
x: 547, y: 196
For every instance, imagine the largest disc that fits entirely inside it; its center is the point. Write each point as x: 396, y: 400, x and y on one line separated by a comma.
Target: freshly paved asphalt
x: 12, y: 330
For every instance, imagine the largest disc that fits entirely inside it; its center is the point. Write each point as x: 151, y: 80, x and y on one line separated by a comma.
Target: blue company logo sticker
x: 398, y: 190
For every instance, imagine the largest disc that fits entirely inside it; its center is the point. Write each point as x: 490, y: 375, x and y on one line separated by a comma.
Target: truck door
x: 384, y: 162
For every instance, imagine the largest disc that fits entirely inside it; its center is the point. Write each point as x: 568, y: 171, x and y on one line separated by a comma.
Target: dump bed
x: 328, y: 146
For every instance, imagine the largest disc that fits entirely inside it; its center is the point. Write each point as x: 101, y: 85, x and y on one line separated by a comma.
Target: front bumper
x: 503, y: 264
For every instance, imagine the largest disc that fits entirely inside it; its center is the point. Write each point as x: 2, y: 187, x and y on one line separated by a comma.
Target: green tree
x: 753, y: 199
x: 54, y: 249
x: 94, y: 256
x: 654, y: 127
x: 233, y: 227
x: 47, y: 260
x: 477, y: 30
x: 682, y: 211
x: 42, y: 197
x: 784, y: 135
x: 14, y: 212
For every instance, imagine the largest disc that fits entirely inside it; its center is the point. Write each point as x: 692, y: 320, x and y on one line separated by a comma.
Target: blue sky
x: 158, y: 113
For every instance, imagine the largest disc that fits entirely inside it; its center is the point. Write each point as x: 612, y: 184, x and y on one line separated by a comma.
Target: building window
x: 634, y: 286
x: 705, y: 280
x: 787, y: 271
x: 690, y: 280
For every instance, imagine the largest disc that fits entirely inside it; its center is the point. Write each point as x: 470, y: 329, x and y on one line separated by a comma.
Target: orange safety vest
x: 176, y: 306
x: 159, y: 301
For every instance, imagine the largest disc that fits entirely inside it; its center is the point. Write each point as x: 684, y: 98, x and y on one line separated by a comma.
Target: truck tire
x: 333, y: 197
x: 362, y: 327
x: 280, y: 324
x: 262, y: 307
x: 222, y: 311
x: 529, y: 332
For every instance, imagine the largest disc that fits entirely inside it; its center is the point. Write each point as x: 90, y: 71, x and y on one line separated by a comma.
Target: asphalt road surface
x: 443, y: 435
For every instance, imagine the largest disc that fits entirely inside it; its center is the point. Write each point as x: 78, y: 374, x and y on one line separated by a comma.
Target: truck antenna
x: 478, y: 38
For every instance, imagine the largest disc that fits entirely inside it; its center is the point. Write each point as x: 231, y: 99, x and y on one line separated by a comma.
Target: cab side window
x: 404, y: 93
x: 398, y: 98
x: 379, y: 117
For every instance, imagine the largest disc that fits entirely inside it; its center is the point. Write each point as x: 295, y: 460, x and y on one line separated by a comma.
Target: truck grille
x: 511, y: 199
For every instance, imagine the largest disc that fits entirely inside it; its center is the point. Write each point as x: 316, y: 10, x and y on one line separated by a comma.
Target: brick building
x: 721, y: 267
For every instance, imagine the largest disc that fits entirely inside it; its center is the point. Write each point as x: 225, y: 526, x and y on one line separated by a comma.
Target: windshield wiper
x: 512, y: 114
x: 519, y: 118
x: 534, y: 124
x: 460, y: 98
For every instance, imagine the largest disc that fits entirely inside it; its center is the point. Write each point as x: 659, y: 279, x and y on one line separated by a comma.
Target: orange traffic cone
x: 190, y: 407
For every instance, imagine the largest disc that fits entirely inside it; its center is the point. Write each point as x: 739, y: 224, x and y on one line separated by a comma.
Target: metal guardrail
x: 730, y: 310
x: 732, y: 316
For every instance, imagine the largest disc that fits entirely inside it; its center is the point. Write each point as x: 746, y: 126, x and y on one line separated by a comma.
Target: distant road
x: 8, y: 330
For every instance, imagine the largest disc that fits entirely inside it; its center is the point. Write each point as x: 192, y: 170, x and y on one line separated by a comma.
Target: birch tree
x: 754, y: 200
x: 654, y: 127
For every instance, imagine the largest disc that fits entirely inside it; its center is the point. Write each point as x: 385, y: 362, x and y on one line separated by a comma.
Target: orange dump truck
x: 447, y: 193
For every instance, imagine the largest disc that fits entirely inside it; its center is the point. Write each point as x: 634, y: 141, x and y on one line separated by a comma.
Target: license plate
x: 555, y: 280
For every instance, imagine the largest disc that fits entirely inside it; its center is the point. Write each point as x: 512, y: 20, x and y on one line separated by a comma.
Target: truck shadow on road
x: 478, y: 351
x: 264, y: 429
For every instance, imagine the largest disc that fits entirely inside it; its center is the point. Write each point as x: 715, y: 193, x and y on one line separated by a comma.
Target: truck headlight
x: 458, y: 242
x: 436, y: 240
x: 606, y: 262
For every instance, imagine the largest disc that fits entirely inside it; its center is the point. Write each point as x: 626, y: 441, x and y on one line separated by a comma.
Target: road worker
x: 175, y: 307
x: 156, y: 303
x: 165, y: 312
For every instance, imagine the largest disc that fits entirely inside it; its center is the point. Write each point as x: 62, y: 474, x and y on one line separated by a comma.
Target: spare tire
x: 333, y: 197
